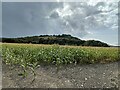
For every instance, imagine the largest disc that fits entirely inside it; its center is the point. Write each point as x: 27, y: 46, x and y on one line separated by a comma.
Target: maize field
x: 32, y: 55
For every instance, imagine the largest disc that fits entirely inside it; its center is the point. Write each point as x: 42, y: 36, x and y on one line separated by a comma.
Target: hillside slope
x: 55, y: 39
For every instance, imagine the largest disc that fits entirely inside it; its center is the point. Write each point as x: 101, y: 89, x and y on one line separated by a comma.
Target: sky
x: 86, y: 20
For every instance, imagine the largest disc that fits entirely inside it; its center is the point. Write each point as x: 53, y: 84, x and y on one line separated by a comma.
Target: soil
x: 67, y: 76
x: 0, y: 74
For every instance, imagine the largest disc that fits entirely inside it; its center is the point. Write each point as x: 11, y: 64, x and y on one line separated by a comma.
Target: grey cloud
x: 100, y: 4
x: 21, y: 19
x: 85, y: 17
x: 54, y: 15
x: 0, y: 19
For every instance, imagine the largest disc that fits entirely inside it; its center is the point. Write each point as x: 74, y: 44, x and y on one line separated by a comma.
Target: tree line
x: 64, y: 39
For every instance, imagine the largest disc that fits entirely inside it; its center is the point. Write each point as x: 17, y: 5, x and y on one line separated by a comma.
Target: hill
x: 63, y: 39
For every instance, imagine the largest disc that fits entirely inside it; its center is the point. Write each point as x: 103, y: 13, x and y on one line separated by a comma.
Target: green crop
x: 32, y: 55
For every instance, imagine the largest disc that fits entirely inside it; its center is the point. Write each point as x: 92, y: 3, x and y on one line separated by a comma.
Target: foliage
x: 32, y: 55
x: 55, y: 39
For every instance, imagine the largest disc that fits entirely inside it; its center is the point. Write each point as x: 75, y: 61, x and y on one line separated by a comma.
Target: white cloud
x: 79, y: 18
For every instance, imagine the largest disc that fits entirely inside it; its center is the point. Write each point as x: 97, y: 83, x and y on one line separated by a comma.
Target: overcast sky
x: 86, y: 20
